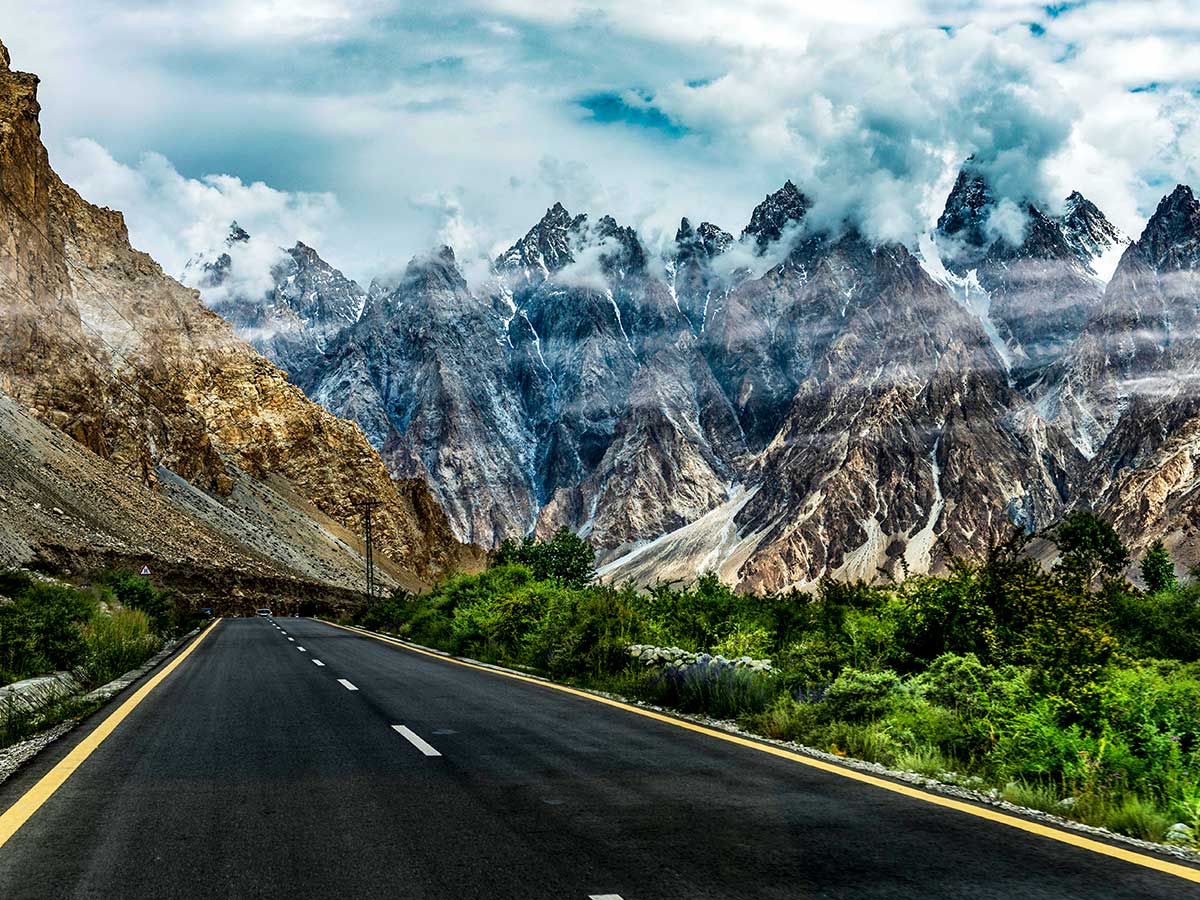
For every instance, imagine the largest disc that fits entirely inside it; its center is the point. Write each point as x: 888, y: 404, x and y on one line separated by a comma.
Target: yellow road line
x: 1055, y: 834
x: 18, y: 814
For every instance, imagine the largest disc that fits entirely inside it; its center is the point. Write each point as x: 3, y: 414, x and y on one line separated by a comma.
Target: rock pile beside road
x: 674, y: 657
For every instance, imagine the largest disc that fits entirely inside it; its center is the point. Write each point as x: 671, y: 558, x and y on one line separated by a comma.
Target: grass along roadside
x: 1069, y: 690
x: 82, y: 636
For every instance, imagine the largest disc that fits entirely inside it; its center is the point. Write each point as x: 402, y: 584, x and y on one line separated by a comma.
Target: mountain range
x: 791, y: 403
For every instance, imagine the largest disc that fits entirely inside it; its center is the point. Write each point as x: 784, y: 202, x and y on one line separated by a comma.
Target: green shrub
x: 137, y: 592
x: 1031, y: 745
x: 927, y: 761
x: 565, y: 558
x: 1158, y: 571
x: 789, y: 720
x: 857, y: 696
x: 1033, y: 795
x: 745, y: 640
x: 117, y: 643
x: 917, y: 724
x: 40, y: 629
x: 1139, y: 818
x: 870, y: 741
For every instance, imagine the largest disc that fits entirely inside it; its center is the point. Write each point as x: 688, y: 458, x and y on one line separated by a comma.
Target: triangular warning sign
x: 145, y: 570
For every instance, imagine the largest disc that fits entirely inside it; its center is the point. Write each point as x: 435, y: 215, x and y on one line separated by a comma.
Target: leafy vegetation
x: 96, y: 632
x: 1069, y: 690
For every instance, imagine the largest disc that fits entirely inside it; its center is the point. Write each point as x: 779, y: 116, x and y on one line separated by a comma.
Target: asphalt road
x: 251, y: 771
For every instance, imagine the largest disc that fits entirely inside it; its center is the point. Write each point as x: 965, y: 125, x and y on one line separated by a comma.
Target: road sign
x: 145, y: 570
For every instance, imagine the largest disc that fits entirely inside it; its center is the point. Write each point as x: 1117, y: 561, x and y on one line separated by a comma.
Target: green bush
x: 857, y: 696
x: 1034, y: 795
x: 40, y: 629
x: 137, y: 592
x: 789, y: 720
x: 1139, y: 818
x: 1158, y: 571
x: 566, y: 558
x: 116, y: 643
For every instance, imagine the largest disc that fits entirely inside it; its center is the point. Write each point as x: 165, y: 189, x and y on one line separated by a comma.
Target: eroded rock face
x: 100, y: 343
x: 1138, y: 371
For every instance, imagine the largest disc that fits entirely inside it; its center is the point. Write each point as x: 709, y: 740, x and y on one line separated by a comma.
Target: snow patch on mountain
x: 967, y: 289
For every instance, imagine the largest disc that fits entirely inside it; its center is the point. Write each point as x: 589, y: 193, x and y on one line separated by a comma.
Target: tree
x: 1158, y: 570
x: 565, y: 558
x: 1089, y: 548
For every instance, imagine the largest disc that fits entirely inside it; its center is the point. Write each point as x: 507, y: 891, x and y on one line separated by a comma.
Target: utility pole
x: 366, y: 506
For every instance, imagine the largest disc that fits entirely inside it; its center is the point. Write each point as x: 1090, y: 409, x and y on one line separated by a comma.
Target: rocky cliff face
x: 1137, y: 370
x: 100, y: 343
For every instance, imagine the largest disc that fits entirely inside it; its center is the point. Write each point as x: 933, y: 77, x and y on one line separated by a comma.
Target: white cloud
x: 868, y: 106
x: 172, y: 217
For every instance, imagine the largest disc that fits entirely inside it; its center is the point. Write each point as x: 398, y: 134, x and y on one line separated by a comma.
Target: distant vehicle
x: 265, y: 613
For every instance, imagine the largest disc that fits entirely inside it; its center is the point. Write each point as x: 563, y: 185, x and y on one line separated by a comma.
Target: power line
x: 366, y: 506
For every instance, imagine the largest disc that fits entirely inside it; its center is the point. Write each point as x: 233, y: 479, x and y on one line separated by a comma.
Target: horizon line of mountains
x: 778, y: 406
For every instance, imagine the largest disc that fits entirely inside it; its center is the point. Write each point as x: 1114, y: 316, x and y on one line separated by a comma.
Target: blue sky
x: 374, y: 129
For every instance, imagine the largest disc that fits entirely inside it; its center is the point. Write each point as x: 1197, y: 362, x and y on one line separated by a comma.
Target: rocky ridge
x: 836, y: 408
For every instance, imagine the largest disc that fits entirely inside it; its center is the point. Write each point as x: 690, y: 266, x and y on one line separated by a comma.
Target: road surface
x: 296, y: 760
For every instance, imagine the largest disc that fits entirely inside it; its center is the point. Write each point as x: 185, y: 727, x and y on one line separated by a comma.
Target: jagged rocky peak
x: 321, y: 294
x: 624, y: 253
x: 547, y: 247
x: 435, y: 271
x: 1042, y: 238
x: 1171, y: 239
x: 704, y: 242
x: 1086, y: 229
x: 767, y: 222
x: 1082, y: 232
x: 237, y: 234
x: 5, y: 59
x: 967, y: 208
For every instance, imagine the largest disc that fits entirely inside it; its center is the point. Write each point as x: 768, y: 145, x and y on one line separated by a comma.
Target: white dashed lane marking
x: 301, y: 649
x: 416, y: 740
x: 604, y: 897
x: 346, y: 684
x: 317, y: 662
x: 293, y: 640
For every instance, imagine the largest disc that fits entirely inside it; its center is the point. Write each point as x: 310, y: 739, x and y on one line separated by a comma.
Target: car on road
x: 265, y: 613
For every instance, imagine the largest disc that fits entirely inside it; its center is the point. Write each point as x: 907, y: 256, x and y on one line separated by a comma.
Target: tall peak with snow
x: 778, y: 210
x: 546, y: 247
x: 1171, y: 239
